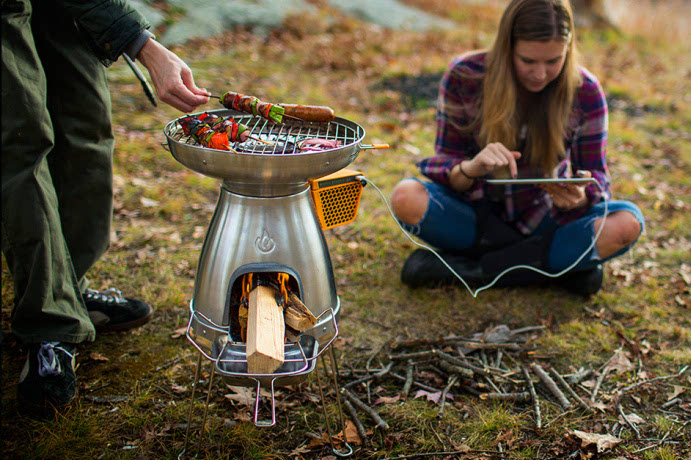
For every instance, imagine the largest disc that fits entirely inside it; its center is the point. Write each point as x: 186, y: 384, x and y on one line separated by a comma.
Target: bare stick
x: 356, y: 420
x: 498, y: 359
x: 628, y: 422
x: 442, y: 399
x: 524, y: 330
x: 378, y: 375
x: 419, y: 354
x: 547, y: 380
x: 365, y: 408
x: 417, y: 384
x: 533, y: 396
x: 579, y: 376
x: 453, y: 360
x: 598, y: 383
x: 172, y: 361
x: 409, y: 372
x: 453, y: 369
x: 671, y: 403
x: 375, y: 353
x: 568, y: 388
x: 514, y: 397
x: 645, y: 382
x: 486, y: 345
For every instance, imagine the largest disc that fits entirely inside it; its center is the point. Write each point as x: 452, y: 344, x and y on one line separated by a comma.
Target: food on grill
x: 317, y: 145
x: 213, y: 131
x: 275, y: 112
x: 315, y: 113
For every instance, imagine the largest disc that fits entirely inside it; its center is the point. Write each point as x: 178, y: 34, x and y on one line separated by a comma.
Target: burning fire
x: 279, y: 280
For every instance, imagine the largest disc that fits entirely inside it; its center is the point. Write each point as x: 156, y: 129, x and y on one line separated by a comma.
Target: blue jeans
x: 450, y: 224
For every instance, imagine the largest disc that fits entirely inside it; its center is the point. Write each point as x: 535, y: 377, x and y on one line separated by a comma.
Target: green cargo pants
x: 57, y: 186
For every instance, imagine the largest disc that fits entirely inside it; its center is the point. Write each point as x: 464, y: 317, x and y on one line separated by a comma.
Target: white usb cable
x: 515, y: 267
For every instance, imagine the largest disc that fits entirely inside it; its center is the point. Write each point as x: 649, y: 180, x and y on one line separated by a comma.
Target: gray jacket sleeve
x: 108, y: 26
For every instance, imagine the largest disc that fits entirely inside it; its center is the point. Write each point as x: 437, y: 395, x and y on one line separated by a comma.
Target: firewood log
x: 265, y: 331
x: 297, y: 315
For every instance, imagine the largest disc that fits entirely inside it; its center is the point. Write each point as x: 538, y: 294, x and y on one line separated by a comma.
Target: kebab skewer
x: 276, y: 112
x: 213, y: 131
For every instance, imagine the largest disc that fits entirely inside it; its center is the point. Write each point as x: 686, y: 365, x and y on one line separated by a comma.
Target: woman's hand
x: 494, y: 156
x: 171, y: 77
x: 568, y: 196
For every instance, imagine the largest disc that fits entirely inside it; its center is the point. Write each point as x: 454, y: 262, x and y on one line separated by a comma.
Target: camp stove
x: 273, y: 206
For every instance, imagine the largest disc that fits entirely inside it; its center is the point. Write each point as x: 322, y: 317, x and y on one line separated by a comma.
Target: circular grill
x: 268, y: 138
x: 269, y: 163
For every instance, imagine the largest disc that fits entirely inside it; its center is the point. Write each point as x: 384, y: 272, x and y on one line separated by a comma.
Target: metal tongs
x: 140, y: 76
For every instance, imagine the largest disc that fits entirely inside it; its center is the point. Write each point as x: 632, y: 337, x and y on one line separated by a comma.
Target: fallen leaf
x: 299, y: 450
x: 242, y: 417
x: 675, y: 392
x: 318, y: 442
x: 178, y: 388
x: 601, y: 441
x: 242, y: 395
x: 351, y: 434
x: 460, y: 447
x: 434, y: 397
x: 600, y: 405
x: 97, y: 356
x: 387, y: 399
x: 632, y: 418
x: 148, y: 202
x: 177, y: 333
x: 619, y: 362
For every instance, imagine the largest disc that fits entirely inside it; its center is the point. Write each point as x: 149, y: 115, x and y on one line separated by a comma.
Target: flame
x: 246, y: 283
x: 282, y: 280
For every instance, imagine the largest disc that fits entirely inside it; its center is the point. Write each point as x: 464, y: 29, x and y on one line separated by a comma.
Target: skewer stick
x: 262, y: 141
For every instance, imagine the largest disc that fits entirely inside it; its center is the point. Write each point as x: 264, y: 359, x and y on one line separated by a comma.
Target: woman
x: 525, y: 108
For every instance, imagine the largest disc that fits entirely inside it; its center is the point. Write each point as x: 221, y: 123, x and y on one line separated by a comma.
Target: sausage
x: 315, y: 113
x: 251, y: 104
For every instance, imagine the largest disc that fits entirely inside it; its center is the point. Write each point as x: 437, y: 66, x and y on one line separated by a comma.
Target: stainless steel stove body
x: 265, y: 223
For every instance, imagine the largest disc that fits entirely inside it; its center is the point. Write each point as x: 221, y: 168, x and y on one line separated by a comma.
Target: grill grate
x: 268, y: 138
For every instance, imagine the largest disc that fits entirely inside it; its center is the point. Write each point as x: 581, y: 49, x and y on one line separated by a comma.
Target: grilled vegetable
x: 213, y: 131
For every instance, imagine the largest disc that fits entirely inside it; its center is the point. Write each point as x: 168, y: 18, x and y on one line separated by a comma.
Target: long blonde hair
x: 499, y: 119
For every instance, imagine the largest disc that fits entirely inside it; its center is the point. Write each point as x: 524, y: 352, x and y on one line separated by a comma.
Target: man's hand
x: 171, y: 77
x: 568, y: 196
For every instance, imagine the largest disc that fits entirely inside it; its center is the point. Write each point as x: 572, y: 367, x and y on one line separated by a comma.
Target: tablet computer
x: 551, y: 180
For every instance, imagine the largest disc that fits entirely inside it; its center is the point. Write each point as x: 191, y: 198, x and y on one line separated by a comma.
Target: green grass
x: 162, y: 211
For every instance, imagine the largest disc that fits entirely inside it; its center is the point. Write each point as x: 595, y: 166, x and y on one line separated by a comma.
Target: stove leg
x: 334, y: 373
x: 206, y: 407
x: 189, y: 415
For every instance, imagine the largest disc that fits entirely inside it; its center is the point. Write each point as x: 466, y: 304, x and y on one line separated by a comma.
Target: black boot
x: 532, y: 251
x: 585, y: 282
x: 423, y: 268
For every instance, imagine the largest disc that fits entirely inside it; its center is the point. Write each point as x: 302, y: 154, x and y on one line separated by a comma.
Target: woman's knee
x: 409, y: 201
x: 622, y: 229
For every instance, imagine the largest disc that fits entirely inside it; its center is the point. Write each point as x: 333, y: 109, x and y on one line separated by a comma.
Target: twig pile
x: 499, y: 364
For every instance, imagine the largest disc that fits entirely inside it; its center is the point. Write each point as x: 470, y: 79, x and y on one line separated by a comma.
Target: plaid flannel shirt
x: 524, y: 206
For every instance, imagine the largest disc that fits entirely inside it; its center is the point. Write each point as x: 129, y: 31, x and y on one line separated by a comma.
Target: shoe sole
x: 119, y: 327
x: 46, y: 410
